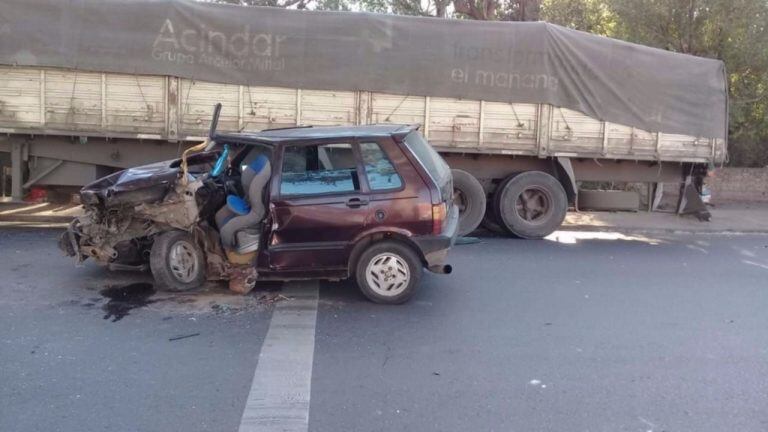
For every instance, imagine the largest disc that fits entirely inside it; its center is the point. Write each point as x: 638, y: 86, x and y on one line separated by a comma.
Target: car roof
x: 299, y: 133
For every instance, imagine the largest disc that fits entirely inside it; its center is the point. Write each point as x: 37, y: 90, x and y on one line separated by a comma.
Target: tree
x: 594, y: 16
x: 295, y: 4
x: 734, y: 31
x: 333, y: 5
x: 523, y: 10
x: 435, y: 8
x: 675, y: 25
x: 477, y: 9
x: 730, y: 30
x: 502, y: 10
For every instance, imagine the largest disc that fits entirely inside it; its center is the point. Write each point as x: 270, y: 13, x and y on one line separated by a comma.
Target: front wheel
x: 177, y: 262
x: 388, y: 272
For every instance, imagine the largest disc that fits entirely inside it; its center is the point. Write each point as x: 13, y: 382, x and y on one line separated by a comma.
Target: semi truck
x: 522, y: 112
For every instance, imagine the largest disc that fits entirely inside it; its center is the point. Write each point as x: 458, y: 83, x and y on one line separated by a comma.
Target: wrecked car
x: 372, y: 203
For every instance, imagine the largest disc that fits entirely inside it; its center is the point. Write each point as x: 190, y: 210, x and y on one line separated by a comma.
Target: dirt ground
x: 726, y: 218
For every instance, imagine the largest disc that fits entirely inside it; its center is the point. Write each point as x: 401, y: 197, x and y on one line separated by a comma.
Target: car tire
x: 177, y: 262
x: 530, y: 204
x: 469, y: 197
x: 388, y: 272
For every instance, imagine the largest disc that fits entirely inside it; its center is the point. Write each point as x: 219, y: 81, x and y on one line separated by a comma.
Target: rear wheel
x: 388, y: 272
x: 490, y: 223
x: 531, y: 204
x: 177, y: 262
x: 469, y: 198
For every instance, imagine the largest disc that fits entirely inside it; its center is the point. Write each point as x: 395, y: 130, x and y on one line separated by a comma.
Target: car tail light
x: 439, y: 212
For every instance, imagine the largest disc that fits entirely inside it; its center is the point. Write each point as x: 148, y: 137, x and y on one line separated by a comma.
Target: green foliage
x: 294, y: 4
x: 731, y: 30
x: 334, y: 5
x: 594, y: 16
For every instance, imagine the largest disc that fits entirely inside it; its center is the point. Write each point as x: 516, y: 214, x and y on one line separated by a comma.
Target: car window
x: 319, y: 169
x: 429, y: 158
x: 379, y: 170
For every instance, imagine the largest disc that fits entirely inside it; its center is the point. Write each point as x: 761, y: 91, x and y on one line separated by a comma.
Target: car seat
x: 238, y: 220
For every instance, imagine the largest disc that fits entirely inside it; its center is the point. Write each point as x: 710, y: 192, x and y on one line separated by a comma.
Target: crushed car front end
x: 123, y: 211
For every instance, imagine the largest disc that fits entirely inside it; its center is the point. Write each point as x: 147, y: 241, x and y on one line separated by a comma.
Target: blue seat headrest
x: 259, y: 163
x: 238, y: 205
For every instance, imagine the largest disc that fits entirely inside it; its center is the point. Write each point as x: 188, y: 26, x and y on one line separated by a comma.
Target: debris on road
x: 242, y: 278
x: 467, y: 240
x: 175, y: 338
x: 271, y: 298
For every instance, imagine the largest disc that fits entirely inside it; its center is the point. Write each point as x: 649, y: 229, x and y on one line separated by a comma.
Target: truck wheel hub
x: 533, y: 204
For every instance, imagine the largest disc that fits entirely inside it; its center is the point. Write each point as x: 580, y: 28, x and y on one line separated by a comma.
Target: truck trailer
x: 522, y: 112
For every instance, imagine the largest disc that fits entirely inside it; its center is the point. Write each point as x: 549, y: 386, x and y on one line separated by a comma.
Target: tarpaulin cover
x: 611, y: 80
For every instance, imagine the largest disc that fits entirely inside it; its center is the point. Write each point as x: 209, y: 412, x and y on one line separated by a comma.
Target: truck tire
x: 489, y: 221
x: 530, y: 204
x: 388, y: 272
x: 469, y: 197
x: 177, y: 262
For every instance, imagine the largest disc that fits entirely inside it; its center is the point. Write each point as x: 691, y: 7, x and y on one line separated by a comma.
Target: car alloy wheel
x: 387, y: 274
x: 182, y: 261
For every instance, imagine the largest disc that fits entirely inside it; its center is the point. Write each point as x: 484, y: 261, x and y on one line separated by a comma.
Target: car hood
x: 146, y: 183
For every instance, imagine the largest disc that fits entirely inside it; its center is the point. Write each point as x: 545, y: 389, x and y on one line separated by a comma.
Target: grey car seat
x: 239, y: 218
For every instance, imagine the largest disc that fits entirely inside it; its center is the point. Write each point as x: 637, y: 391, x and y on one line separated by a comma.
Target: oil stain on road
x: 123, y: 299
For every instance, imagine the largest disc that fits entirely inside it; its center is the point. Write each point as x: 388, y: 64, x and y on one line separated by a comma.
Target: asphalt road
x: 585, y: 332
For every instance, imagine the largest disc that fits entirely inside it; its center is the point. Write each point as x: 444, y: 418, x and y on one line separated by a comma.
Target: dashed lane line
x: 279, y: 396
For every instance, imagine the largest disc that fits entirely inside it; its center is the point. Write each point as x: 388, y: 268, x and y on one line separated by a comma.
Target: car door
x: 396, y: 191
x: 319, y: 205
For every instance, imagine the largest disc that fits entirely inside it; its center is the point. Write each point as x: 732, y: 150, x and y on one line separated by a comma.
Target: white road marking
x: 755, y: 264
x: 279, y: 396
x: 647, y: 423
x: 744, y: 252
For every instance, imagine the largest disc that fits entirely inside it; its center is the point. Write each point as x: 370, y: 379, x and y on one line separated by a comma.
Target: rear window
x: 429, y: 158
x: 379, y: 170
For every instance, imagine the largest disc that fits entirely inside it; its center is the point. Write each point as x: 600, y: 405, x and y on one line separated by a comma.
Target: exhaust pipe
x: 441, y: 269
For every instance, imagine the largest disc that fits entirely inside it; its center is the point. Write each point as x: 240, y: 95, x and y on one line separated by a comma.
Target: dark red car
x: 369, y: 202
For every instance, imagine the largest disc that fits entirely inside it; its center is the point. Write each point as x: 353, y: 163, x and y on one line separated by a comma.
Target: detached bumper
x: 435, y: 248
